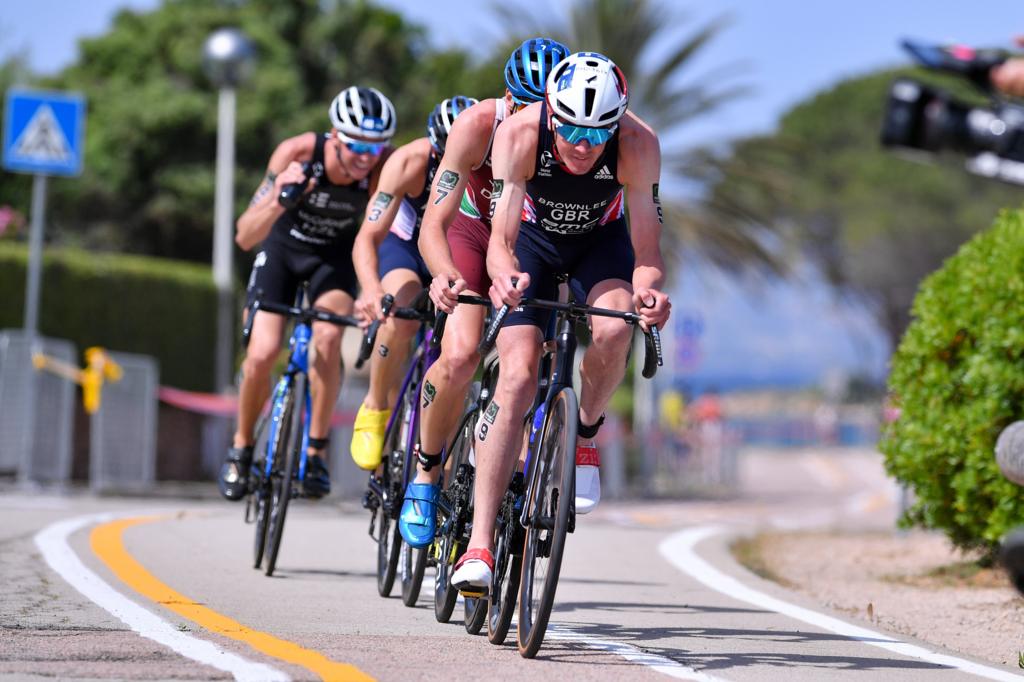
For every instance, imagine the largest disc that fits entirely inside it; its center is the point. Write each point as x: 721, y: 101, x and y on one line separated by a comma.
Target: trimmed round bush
x: 958, y: 380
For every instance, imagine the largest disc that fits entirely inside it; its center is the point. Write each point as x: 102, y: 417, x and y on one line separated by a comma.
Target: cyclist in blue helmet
x: 527, y: 68
x: 387, y: 261
x: 453, y: 241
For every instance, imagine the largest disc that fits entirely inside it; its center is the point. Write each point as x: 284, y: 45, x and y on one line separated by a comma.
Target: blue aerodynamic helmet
x: 528, y: 67
x: 440, y: 121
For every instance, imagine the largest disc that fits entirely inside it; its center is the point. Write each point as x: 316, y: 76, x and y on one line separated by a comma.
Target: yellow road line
x: 107, y: 542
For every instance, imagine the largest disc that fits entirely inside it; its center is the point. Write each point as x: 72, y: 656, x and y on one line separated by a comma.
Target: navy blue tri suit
x: 312, y: 242
x: 573, y: 224
x: 399, y: 249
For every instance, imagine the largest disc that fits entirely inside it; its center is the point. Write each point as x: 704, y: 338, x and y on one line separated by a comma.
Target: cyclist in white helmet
x: 563, y: 170
x: 308, y: 241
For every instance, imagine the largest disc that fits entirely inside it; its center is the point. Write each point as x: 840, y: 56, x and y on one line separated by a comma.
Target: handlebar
x: 419, y: 311
x: 442, y: 318
x: 652, y: 337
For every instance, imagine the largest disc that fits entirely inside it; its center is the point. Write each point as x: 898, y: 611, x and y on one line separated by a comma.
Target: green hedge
x: 958, y: 378
x: 136, y: 304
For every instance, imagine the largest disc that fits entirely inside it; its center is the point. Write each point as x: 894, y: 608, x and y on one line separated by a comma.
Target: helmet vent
x: 608, y: 115
x: 589, y: 95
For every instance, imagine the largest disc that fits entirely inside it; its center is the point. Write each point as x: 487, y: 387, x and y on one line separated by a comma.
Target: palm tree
x: 640, y: 36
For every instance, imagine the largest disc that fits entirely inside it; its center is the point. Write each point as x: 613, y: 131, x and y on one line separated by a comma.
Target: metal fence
x: 36, y: 410
x: 123, y: 431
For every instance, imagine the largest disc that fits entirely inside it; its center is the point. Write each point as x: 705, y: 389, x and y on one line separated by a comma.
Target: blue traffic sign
x: 44, y: 132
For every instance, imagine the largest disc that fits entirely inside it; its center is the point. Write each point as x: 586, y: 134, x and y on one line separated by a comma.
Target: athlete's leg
x: 393, y: 339
x: 325, y: 375
x: 260, y: 356
x: 604, y: 363
x: 500, y: 433
x: 447, y: 381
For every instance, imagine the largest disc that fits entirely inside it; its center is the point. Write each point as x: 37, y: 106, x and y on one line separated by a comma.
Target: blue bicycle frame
x: 298, y: 361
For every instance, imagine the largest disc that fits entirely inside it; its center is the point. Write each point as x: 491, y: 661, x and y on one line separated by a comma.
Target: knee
x: 517, y: 378
x: 259, y: 360
x: 327, y: 342
x: 459, y: 363
x: 612, y: 336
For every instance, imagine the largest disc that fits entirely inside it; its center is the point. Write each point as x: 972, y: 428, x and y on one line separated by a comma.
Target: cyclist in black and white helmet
x: 390, y: 230
x: 308, y: 241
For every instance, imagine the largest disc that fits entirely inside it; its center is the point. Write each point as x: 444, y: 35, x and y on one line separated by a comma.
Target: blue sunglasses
x: 574, y: 134
x: 360, y: 147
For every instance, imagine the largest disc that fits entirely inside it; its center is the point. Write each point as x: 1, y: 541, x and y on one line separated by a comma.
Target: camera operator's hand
x: 1009, y: 76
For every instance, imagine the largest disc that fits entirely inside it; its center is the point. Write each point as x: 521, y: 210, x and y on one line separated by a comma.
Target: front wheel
x: 549, y: 501
x: 389, y: 537
x: 412, y: 564
x: 288, y: 457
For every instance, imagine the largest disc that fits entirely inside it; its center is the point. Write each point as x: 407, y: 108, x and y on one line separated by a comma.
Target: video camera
x: 925, y: 118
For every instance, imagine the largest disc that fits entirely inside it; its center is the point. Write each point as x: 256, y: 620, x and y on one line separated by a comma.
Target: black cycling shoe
x: 234, y: 474
x: 318, y: 481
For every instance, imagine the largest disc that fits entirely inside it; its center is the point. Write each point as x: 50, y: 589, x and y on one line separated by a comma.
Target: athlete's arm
x: 400, y: 175
x: 639, y: 171
x: 284, y: 168
x: 464, y: 149
x: 512, y: 161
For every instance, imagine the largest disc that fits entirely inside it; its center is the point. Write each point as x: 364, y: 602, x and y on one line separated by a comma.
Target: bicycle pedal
x: 474, y: 593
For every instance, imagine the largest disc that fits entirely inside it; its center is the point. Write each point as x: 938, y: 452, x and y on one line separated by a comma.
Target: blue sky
x: 788, y: 49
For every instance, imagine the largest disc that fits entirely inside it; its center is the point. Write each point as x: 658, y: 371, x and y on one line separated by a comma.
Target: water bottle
x: 291, y: 194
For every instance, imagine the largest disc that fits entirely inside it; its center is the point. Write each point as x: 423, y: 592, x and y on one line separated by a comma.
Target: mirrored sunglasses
x: 361, y: 147
x: 573, y: 134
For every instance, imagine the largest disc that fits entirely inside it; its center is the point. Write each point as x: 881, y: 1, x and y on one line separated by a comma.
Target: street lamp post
x: 228, y: 56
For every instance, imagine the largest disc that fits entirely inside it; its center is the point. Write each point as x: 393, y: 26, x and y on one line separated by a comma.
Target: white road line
x: 678, y: 549
x: 52, y: 542
x: 633, y: 654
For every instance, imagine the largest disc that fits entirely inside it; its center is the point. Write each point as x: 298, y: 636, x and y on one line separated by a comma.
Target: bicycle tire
x: 508, y: 564
x: 550, y: 497
x: 260, y: 495
x: 475, y: 615
x: 412, y: 563
x: 292, y: 416
x: 449, y: 543
x: 389, y: 537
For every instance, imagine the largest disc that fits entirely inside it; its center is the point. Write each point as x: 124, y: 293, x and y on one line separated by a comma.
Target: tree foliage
x: 874, y: 223
x: 148, y: 181
x: 958, y: 379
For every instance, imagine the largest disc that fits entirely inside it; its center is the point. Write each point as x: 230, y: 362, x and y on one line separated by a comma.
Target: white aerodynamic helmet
x: 364, y: 113
x: 587, y: 89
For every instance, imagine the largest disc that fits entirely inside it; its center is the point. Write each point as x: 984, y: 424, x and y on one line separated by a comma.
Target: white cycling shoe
x: 588, y: 478
x: 472, y: 576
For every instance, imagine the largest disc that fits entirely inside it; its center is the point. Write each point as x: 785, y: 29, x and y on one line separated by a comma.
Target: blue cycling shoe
x: 418, y: 521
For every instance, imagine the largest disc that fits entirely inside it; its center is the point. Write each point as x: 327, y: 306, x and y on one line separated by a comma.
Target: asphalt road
x: 163, y: 588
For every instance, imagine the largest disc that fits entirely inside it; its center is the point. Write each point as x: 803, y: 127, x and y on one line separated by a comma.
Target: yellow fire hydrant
x: 99, y: 367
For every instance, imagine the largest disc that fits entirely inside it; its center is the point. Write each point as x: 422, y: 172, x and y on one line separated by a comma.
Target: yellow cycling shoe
x: 368, y: 437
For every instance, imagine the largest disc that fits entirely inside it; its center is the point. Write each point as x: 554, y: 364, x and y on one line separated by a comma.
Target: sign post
x: 43, y: 135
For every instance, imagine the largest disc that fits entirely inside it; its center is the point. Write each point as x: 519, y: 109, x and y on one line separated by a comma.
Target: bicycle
x: 386, y: 487
x: 286, y: 427
x: 547, y: 502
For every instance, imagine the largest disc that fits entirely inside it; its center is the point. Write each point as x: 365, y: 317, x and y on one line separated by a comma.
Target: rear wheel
x: 508, y: 564
x: 549, y: 501
x: 450, y: 542
x: 288, y: 456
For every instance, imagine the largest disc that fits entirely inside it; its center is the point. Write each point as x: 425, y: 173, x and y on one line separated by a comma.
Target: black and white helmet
x: 440, y: 121
x: 364, y: 113
x: 587, y: 89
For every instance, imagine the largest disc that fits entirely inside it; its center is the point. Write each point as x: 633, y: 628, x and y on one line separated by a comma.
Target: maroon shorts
x: 467, y: 238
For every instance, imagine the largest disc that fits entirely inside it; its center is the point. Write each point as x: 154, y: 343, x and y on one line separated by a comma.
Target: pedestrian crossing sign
x: 44, y: 132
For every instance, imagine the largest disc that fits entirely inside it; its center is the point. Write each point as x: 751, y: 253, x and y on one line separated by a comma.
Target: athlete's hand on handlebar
x: 445, y: 290
x: 368, y: 306
x: 508, y: 289
x: 652, y: 306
